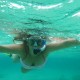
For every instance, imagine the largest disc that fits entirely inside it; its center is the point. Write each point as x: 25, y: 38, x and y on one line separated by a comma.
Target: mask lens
x: 39, y: 42
x: 36, y: 41
x: 32, y: 41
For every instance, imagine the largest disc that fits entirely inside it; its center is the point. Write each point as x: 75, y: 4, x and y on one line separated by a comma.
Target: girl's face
x: 36, y: 43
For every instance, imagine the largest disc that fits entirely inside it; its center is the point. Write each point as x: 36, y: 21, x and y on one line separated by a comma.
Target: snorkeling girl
x: 33, y: 50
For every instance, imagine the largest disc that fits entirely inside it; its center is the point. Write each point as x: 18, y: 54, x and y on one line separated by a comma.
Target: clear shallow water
x: 46, y: 17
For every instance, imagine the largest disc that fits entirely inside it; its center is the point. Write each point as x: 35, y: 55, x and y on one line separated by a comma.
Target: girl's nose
x: 35, y: 44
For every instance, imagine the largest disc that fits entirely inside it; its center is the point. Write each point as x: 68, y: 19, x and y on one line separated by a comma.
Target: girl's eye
x: 40, y: 43
x: 39, y: 40
x: 32, y: 43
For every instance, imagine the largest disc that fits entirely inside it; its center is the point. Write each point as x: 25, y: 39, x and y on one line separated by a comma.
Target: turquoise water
x: 59, y: 18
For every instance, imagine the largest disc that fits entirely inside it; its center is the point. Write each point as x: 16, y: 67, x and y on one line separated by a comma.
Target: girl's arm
x: 64, y: 43
x: 11, y: 48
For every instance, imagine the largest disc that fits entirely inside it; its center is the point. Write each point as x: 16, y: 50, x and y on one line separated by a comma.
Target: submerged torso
x: 33, y: 62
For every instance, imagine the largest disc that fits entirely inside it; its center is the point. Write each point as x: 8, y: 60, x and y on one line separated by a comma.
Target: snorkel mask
x: 38, y: 43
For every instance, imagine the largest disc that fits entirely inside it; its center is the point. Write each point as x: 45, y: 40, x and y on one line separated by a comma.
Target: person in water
x: 33, y: 50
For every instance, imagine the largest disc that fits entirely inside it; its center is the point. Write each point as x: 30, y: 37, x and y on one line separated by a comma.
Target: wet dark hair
x: 21, y: 37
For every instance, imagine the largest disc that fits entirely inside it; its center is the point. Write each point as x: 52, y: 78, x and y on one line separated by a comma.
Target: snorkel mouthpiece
x: 38, y: 50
